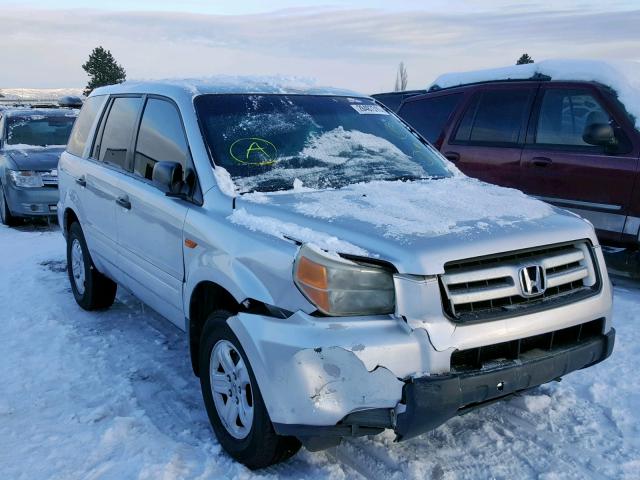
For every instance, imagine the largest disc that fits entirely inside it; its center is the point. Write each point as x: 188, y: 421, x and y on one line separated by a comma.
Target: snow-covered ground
x: 110, y: 395
x: 26, y: 94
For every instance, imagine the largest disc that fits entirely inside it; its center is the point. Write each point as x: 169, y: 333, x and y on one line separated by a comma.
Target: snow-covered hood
x: 417, y: 226
x: 34, y: 158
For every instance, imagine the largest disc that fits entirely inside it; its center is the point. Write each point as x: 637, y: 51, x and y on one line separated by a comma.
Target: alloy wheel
x: 231, y: 389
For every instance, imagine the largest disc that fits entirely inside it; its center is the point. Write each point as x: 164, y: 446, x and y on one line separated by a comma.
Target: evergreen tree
x: 103, y: 70
x: 524, y: 59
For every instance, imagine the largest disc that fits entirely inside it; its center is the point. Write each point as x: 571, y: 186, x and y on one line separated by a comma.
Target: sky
x: 352, y: 44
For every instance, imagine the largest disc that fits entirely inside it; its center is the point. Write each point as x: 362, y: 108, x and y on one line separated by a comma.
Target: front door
x: 150, y: 223
x: 558, y: 166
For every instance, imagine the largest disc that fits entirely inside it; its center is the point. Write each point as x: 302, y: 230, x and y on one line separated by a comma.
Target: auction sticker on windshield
x: 369, y: 109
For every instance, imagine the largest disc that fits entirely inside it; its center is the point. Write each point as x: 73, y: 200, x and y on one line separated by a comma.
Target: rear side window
x: 494, y: 117
x: 429, y: 115
x: 116, y: 136
x: 564, y: 114
x: 161, y: 138
x: 82, y: 127
x: 391, y: 101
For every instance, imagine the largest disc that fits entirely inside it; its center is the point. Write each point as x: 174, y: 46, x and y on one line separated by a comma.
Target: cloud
x: 350, y: 47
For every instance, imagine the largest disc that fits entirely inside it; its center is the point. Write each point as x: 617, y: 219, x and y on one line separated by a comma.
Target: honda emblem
x: 532, y: 280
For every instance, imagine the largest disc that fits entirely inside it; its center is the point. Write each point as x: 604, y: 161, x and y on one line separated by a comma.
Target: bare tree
x: 401, y: 78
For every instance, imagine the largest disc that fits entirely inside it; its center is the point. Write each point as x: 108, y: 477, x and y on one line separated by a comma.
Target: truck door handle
x: 541, y: 161
x: 124, y: 202
x: 81, y: 181
x: 452, y: 156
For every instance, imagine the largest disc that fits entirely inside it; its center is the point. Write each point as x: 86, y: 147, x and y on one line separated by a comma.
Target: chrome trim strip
x: 578, y: 203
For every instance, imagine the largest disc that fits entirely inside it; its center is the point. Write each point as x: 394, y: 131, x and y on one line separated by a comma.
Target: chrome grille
x: 50, y: 179
x: 491, y: 287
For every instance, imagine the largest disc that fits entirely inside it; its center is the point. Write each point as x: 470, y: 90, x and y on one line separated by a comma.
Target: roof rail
x: 539, y: 77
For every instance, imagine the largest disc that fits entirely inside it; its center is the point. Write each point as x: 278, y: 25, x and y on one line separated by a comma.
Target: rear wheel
x: 91, y: 289
x: 5, y: 214
x: 233, y: 401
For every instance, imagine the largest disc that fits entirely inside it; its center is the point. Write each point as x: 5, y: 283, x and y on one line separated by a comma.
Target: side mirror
x: 167, y: 176
x: 600, y: 134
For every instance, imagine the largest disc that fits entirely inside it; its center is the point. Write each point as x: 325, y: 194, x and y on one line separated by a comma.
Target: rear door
x: 559, y: 167
x: 100, y: 188
x: 489, y: 134
x: 150, y: 223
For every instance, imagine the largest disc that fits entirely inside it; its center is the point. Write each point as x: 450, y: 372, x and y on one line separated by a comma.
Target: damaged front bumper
x: 327, y: 378
x: 428, y: 402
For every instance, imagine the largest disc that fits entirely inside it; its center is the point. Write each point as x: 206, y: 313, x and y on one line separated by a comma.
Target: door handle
x: 452, y: 156
x: 81, y: 181
x: 541, y: 161
x: 124, y: 202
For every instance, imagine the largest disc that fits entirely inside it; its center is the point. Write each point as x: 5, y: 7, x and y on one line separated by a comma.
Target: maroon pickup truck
x: 570, y: 143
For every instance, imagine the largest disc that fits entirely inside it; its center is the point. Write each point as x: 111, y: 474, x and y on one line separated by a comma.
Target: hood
x: 416, y: 226
x: 35, y: 158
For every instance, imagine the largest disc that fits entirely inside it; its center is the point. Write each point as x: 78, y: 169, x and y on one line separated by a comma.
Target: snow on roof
x: 622, y: 77
x: 41, y: 113
x: 229, y: 84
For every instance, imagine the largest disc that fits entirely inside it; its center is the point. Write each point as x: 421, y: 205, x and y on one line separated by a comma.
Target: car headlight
x: 26, y: 178
x: 337, y: 286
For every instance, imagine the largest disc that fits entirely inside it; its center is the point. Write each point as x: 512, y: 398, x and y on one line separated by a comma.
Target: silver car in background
x: 335, y: 275
x: 31, y: 141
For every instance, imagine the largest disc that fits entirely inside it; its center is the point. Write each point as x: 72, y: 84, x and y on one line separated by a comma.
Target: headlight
x: 341, y: 287
x: 26, y: 178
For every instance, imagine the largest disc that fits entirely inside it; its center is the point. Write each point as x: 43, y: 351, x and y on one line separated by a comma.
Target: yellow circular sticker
x: 253, y: 151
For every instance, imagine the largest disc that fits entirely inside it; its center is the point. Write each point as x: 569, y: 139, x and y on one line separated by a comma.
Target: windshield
x: 266, y: 142
x: 39, y: 130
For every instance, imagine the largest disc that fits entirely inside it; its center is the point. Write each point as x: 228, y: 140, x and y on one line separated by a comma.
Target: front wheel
x: 91, y: 289
x: 233, y: 401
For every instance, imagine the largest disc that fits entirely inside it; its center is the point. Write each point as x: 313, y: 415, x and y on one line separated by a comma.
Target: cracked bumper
x: 428, y: 402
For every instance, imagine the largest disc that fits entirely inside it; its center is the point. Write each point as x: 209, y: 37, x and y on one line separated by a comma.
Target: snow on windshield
x: 622, y: 77
x: 426, y: 208
x: 343, y: 157
x: 266, y: 142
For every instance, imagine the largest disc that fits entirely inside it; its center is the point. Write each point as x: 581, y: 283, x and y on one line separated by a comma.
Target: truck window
x: 495, y: 116
x: 161, y: 138
x: 429, y: 115
x: 564, y: 114
x: 82, y: 127
x: 116, y: 137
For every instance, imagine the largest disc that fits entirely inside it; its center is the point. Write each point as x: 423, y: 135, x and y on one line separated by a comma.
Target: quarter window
x: 82, y: 127
x: 494, y: 117
x: 116, y: 137
x: 161, y: 138
x: 428, y: 116
x: 564, y: 115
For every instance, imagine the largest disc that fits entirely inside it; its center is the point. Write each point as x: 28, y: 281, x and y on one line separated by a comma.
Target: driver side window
x: 564, y: 114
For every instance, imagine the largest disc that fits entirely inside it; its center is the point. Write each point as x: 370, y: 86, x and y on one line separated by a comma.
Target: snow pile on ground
x: 623, y: 77
x: 111, y: 395
x: 283, y: 230
x: 428, y: 208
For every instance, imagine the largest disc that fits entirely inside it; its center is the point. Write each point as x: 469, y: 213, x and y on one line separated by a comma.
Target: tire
x: 256, y: 445
x: 91, y: 289
x: 5, y: 215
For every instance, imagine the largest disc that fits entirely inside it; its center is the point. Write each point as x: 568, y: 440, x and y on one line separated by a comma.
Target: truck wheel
x: 233, y: 401
x: 5, y: 214
x: 91, y: 289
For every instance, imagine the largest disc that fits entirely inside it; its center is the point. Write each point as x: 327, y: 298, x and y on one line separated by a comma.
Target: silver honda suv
x: 335, y: 275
